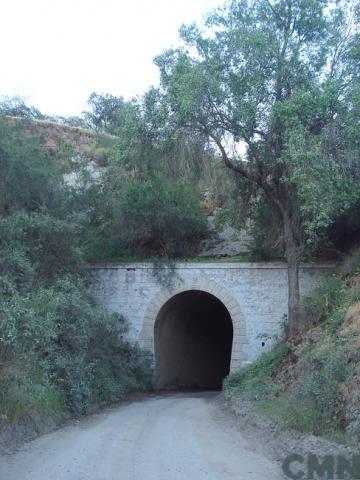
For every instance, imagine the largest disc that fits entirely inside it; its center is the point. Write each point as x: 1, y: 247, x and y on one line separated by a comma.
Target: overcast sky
x: 56, y: 52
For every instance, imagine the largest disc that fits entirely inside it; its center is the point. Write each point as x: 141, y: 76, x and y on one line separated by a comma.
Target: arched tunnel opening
x: 193, y: 342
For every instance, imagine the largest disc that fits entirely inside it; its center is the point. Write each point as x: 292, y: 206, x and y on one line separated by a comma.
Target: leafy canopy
x: 271, y: 83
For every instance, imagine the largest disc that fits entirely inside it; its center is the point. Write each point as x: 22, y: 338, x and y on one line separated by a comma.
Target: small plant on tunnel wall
x: 165, y: 273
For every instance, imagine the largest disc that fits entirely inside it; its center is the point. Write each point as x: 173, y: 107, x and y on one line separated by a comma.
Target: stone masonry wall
x: 255, y: 295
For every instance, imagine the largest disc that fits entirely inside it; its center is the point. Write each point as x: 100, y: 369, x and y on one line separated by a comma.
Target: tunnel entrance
x: 193, y: 342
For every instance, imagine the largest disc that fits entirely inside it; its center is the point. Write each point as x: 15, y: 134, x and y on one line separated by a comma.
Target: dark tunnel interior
x: 193, y: 342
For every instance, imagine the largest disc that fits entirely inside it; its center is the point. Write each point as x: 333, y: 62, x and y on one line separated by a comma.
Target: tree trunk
x: 292, y: 255
x: 294, y: 310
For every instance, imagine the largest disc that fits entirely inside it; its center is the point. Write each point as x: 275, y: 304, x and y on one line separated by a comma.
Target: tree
x: 160, y: 218
x: 265, y: 80
x: 147, y: 143
x: 30, y: 179
x: 16, y: 107
x: 105, y: 111
x: 147, y: 218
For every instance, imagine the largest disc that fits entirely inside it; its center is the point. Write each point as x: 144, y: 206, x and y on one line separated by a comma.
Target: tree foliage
x: 142, y: 205
x: 60, y: 352
x: 105, y: 113
x: 271, y: 83
x: 29, y: 179
x: 158, y: 218
x: 144, y: 218
x: 17, y: 107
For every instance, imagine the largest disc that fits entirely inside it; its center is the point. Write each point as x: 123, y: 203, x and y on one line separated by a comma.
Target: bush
x: 255, y: 381
x: 317, y: 405
x: 264, y: 233
x: 324, y: 299
x: 49, y: 320
x: 160, y: 218
x: 24, y: 392
x: 315, y: 402
x: 329, y: 301
x: 30, y: 179
x: 37, y: 246
x: 60, y: 352
x: 80, y: 349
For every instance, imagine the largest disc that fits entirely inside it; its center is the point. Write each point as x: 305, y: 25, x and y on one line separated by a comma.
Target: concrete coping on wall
x: 212, y: 265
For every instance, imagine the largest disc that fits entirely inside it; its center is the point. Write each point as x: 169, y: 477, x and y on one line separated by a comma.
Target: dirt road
x: 169, y: 437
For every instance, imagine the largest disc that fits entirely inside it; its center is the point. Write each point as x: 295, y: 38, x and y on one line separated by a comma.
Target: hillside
x: 312, y: 382
x: 55, y: 137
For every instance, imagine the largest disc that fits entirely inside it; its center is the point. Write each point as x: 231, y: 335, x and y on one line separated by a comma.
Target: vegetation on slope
x: 151, y: 218
x: 311, y: 382
x: 60, y: 352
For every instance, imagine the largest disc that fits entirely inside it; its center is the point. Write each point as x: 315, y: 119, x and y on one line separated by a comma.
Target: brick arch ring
x: 238, y: 354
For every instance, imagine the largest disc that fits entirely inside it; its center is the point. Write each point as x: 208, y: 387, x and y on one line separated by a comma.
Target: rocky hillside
x: 55, y: 137
x: 58, y: 139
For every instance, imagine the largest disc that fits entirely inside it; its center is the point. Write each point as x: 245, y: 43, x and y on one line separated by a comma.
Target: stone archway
x: 193, y: 342
x: 147, y: 335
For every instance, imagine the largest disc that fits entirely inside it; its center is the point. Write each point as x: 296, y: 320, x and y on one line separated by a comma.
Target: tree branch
x: 258, y: 180
x: 280, y: 20
x: 228, y: 162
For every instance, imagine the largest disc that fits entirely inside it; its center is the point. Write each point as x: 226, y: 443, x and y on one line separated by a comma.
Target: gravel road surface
x: 164, y: 437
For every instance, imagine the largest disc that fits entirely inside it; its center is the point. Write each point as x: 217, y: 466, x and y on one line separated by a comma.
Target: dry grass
x: 54, y: 136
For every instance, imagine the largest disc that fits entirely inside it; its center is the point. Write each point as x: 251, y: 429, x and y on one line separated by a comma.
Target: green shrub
x: 77, y: 345
x: 160, y: 218
x: 16, y: 269
x: 30, y: 179
x: 301, y: 415
x: 38, y: 243
x: 315, y: 402
x: 264, y: 233
x: 255, y: 381
x: 24, y: 392
x: 324, y: 299
x: 49, y: 319
x: 317, y: 405
x: 60, y: 352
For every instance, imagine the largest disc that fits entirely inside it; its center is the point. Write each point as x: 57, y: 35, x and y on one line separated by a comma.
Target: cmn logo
x: 331, y: 467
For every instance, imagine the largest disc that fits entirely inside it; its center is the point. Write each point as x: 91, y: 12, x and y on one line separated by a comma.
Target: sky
x: 55, y: 53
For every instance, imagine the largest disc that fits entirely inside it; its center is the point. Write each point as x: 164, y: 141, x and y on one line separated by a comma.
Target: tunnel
x: 193, y: 341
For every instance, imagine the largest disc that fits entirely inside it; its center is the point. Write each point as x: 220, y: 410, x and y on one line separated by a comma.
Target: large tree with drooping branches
x: 269, y: 82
